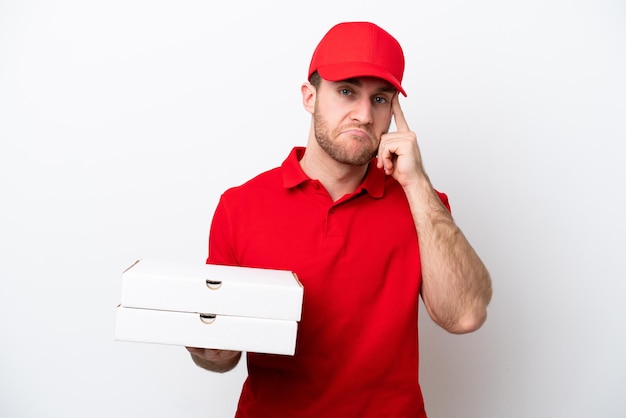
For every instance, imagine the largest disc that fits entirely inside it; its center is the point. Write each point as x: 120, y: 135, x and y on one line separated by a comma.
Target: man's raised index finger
x: 398, y: 115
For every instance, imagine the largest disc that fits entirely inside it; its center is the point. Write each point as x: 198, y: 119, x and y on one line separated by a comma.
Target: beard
x: 358, y: 152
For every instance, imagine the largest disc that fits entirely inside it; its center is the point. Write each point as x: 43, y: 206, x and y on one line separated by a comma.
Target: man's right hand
x: 219, y: 361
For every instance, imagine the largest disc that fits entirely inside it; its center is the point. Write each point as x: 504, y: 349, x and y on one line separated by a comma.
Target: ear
x: 308, y: 96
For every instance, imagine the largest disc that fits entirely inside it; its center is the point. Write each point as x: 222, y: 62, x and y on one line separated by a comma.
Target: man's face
x: 350, y: 116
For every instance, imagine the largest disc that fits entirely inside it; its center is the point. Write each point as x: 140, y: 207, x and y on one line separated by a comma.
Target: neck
x: 337, y: 178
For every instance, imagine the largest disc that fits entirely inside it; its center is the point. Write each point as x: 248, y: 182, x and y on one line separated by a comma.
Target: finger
x: 195, y: 350
x: 385, y: 158
x: 398, y: 115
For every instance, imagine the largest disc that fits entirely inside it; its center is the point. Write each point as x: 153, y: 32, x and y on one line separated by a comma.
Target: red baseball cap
x: 358, y: 49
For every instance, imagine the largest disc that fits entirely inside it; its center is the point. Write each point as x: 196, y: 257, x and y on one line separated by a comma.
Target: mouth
x: 359, y: 134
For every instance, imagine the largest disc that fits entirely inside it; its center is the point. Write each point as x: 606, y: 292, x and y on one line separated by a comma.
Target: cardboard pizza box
x: 210, y: 288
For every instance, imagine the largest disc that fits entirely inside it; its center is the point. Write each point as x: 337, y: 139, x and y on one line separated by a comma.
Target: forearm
x: 456, y: 287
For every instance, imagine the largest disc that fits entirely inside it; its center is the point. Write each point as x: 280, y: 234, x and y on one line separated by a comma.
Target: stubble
x: 355, y: 151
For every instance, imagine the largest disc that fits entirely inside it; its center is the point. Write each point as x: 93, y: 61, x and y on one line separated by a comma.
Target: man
x: 355, y: 216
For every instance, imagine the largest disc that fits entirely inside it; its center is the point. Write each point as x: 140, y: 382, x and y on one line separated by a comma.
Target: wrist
x: 419, y: 188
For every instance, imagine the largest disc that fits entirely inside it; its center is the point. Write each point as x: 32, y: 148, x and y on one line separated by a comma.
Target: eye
x: 345, y: 92
x: 380, y: 100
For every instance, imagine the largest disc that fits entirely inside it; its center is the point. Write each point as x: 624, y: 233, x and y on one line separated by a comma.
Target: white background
x: 121, y: 122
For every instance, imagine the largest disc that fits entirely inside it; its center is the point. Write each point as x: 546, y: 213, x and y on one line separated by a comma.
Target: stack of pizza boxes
x: 209, y: 306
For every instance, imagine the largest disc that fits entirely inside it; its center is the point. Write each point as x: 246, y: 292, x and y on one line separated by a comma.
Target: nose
x: 362, y: 111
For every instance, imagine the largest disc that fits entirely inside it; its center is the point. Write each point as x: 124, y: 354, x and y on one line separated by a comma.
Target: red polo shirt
x: 358, y: 260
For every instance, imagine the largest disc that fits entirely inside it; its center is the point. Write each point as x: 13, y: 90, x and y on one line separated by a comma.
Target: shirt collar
x: 293, y: 175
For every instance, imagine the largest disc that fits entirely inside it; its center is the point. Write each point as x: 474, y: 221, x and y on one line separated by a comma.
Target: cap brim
x: 344, y: 71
